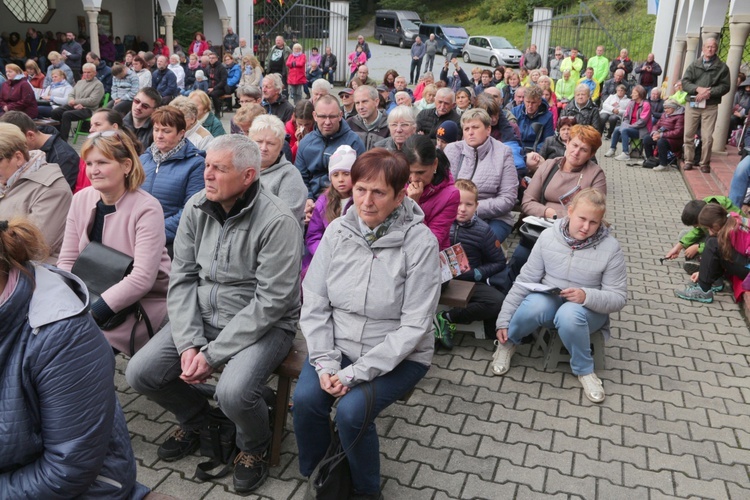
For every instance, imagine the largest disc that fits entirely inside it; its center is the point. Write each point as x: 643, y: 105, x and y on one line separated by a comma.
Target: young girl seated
x: 333, y: 203
x: 719, y: 257
x: 485, y: 257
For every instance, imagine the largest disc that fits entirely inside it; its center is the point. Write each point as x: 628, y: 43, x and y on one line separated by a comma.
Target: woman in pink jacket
x: 356, y: 59
x: 431, y: 186
x: 113, y: 211
x: 296, y: 78
x: 636, y: 124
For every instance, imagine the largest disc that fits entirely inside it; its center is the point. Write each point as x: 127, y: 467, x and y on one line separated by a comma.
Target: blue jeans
x: 155, y: 372
x: 627, y: 133
x: 501, y: 229
x: 740, y: 182
x: 574, y: 323
x: 312, y: 407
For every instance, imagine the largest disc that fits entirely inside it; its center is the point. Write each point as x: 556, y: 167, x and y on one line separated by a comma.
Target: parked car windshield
x: 408, y: 25
x: 499, y: 42
x: 455, y: 32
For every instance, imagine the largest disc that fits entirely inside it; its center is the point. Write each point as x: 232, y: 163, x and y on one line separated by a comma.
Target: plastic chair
x: 79, y: 128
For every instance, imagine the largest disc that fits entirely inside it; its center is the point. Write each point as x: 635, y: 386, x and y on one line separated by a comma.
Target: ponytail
x: 20, y: 242
x: 713, y: 216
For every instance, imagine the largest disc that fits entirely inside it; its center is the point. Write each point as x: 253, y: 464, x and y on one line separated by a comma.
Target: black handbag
x: 332, y: 479
x: 218, y: 438
x: 101, y: 267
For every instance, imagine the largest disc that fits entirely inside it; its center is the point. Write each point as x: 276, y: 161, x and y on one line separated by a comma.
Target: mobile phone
x: 554, y: 291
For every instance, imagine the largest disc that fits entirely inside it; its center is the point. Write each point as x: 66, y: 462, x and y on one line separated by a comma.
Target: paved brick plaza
x: 676, y: 421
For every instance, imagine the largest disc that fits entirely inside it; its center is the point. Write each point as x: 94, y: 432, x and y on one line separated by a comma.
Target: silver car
x: 492, y: 50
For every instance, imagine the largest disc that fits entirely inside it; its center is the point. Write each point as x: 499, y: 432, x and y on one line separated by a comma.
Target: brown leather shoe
x: 688, y: 166
x: 706, y: 169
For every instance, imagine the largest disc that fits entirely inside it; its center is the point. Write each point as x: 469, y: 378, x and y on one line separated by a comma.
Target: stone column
x: 739, y: 29
x: 678, y: 62
x: 93, y: 15
x: 711, y: 32
x: 338, y: 33
x: 168, y: 24
x: 691, y: 39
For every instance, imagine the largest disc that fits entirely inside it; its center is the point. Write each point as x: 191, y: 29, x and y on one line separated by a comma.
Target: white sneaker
x: 659, y: 168
x: 592, y: 387
x: 623, y: 157
x: 502, y: 356
x: 610, y: 153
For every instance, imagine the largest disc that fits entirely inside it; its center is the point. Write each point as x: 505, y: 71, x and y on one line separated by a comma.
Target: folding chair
x: 79, y: 128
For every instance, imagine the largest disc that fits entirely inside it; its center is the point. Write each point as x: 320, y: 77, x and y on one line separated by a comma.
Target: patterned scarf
x: 160, y: 157
x: 373, y: 235
x: 36, y: 160
x: 592, y: 240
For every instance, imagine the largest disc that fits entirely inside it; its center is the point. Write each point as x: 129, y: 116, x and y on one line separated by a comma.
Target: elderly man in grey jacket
x: 417, y: 54
x: 233, y: 304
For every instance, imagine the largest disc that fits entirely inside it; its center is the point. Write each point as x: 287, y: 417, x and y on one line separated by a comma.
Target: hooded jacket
x: 542, y: 116
x: 373, y: 304
x: 235, y: 276
x: 370, y: 135
x: 282, y: 179
x: 599, y: 270
x: 104, y: 75
x: 491, y: 168
x: 18, y: 95
x: 672, y: 128
x: 314, y: 152
x: 440, y: 206
x: 63, y: 433
x: 234, y: 73
x: 174, y: 182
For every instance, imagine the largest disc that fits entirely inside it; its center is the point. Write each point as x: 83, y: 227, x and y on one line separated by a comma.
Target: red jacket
x: 296, y: 65
x: 36, y: 81
x: 198, y: 47
x: 18, y: 95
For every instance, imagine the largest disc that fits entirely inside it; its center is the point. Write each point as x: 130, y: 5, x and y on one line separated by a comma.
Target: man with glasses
x: 554, y: 64
x: 85, y: 97
x: 533, y: 110
x: 705, y: 81
x: 316, y: 148
x: 138, y: 120
x: 370, y: 124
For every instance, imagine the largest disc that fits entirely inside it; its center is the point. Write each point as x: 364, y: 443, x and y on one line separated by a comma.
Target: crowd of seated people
x: 331, y: 212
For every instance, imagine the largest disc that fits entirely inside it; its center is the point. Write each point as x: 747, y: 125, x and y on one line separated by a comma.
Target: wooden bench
x: 288, y: 370
x: 458, y: 294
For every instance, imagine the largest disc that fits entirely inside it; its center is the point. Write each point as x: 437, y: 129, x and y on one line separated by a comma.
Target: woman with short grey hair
x: 402, y: 124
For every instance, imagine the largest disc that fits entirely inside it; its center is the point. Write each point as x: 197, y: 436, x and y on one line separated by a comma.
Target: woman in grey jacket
x: 583, y: 271
x: 370, y: 294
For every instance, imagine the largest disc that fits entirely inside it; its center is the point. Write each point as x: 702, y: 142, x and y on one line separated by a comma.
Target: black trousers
x: 662, y: 147
x: 714, y: 266
x: 484, y: 305
x: 65, y: 115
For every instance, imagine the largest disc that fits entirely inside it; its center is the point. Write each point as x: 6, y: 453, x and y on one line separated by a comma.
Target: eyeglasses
x: 345, y: 96
x: 142, y: 104
x: 326, y: 118
x: 400, y: 125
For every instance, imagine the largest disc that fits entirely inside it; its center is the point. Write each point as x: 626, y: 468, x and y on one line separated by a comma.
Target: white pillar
x: 739, y: 29
x: 692, y: 53
x: 339, y: 31
x: 677, y: 62
x: 541, y: 31
x: 245, y: 23
x: 665, y: 21
x: 168, y: 24
x: 93, y: 17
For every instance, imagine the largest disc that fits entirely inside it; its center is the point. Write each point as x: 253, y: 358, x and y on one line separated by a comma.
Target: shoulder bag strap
x: 547, y: 180
x: 140, y: 314
x: 369, y: 391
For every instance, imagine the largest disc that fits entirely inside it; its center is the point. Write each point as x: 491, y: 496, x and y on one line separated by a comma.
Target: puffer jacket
x: 314, y: 152
x: 587, y: 115
x: 482, y: 249
x: 18, y: 95
x: 234, y: 73
x: 553, y: 147
x: 174, y: 181
x: 63, y: 433
x: 373, y: 304
x: 673, y: 128
x: 125, y: 88
x: 716, y: 77
x: 440, y: 206
x: 491, y: 168
x: 599, y: 270
x: 369, y: 136
x: 525, y: 122
x: 222, y: 270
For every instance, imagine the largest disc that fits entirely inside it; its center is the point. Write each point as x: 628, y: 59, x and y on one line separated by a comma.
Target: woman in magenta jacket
x: 115, y: 212
x: 16, y: 93
x: 431, y: 186
x: 199, y: 45
x: 296, y: 78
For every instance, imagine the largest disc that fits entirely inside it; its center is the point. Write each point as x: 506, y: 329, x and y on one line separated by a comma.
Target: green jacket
x: 566, y: 90
x: 601, y: 68
x: 716, y: 76
x: 698, y: 234
x: 235, y: 276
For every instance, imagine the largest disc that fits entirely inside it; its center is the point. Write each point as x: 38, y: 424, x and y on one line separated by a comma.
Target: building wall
x: 131, y: 17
